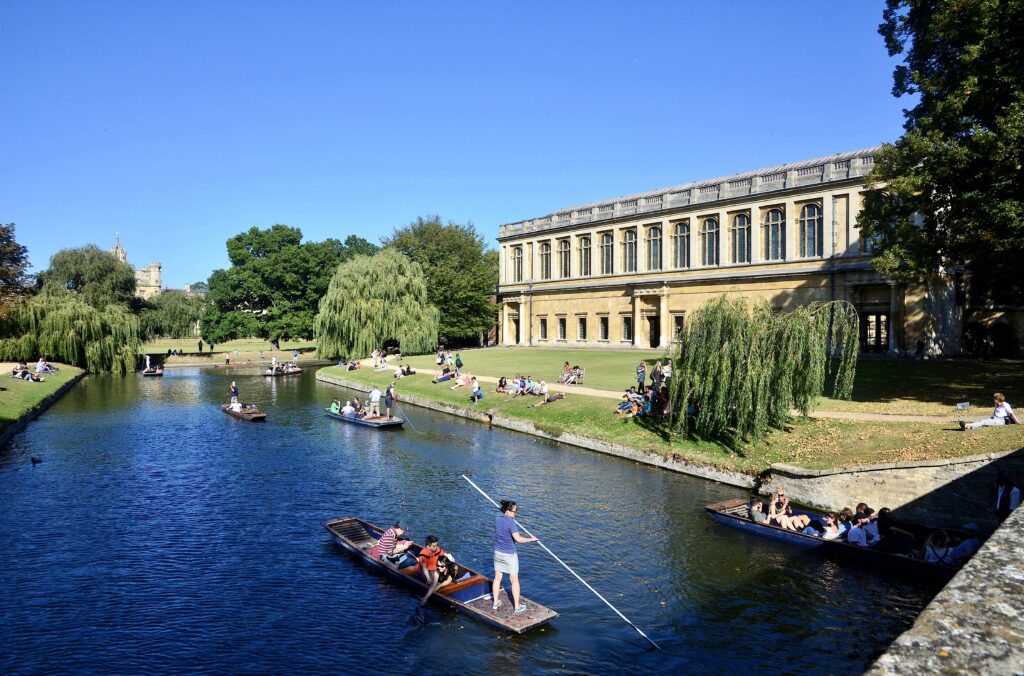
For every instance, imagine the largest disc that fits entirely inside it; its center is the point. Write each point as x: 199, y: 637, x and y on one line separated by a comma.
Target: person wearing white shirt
x: 1002, y: 414
x: 374, y: 401
x: 348, y: 409
x: 236, y: 405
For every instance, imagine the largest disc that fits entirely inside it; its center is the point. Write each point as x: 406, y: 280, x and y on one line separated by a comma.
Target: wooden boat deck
x: 256, y: 416
x: 469, y: 594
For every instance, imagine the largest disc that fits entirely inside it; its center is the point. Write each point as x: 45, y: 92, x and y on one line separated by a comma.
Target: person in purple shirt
x: 506, y: 560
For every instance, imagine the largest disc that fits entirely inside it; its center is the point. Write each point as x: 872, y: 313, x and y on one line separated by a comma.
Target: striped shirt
x: 386, y: 544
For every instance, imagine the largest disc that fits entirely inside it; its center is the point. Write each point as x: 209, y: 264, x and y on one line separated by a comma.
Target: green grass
x: 606, y: 369
x: 255, y: 345
x: 20, y: 396
x: 814, y: 444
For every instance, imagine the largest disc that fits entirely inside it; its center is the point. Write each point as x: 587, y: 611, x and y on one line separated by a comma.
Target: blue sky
x: 181, y: 124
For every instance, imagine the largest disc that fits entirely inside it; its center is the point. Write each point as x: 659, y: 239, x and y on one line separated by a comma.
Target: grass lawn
x: 814, y: 444
x: 19, y: 396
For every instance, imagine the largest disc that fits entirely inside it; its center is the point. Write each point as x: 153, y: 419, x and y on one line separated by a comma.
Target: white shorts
x: 506, y: 563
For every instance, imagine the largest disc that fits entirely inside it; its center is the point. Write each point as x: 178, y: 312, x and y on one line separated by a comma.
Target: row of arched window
x: 773, y: 241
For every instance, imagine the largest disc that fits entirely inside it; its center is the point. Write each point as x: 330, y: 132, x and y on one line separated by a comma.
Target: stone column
x: 504, y: 324
x: 755, y: 234
x: 893, y: 309
x: 502, y: 267
x: 636, y: 320
x: 828, y: 234
x: 664, y: 319
x: 792, y: 248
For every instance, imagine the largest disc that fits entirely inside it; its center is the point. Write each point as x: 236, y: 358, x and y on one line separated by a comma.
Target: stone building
x: 147, y: 279
x: 625, y: 272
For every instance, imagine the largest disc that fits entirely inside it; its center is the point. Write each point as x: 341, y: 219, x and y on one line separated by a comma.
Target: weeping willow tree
x: 371, y: 300
x: 739, y: 370
x: 59, y: 326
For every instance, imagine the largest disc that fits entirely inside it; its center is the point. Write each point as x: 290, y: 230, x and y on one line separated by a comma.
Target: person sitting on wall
x: 1002, y: 415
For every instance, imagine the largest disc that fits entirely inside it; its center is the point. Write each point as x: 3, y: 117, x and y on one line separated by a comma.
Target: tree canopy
x: 460, y: 273
x: 95, y: 276
x: 740, y: 370
x: 374, y: 300
x: 274, y: 284
x: 13, y: 263
x: 953, y: 192
x: 172, y: 314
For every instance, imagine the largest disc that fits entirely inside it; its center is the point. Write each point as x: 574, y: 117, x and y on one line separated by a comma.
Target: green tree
x: 739, y: 371
x: 95, y: 276
x: 953, y: 193
x: 274, y: 284
x: 373, y: 300
x: 13, y: 263
x: 460, y: 273
x: 60, y: 326
x: 172, y: 314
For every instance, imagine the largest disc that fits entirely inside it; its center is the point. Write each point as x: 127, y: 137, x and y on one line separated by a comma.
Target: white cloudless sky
x: 181, y: 124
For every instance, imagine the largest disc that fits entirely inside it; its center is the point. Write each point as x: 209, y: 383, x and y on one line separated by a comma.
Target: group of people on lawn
x: 21, y: 371
x: 642, y: 400
x: 863, y: 528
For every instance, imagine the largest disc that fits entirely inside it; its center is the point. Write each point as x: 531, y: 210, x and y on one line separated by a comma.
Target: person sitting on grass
x: 477, y: 394
x: 631, y: 397
x: 513, y: 388
x: 566, y: 373
x: 444, y: 374
x: 502, y: 387
x: 22, y: 372
x: 1002, y: 415
x: 464, y: 379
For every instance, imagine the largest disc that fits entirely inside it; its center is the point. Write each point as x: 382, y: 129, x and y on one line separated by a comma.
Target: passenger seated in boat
x: 938, y: 549
x: 780, y: 514
x: 865, y: 530
x: 830, y: 527
x: 348, y: 409
x: 428, y: 558
x: 755, y: 511
x: 335, y: 407
x: 391, y: 547
x: 447, y: 570
x: 236, y: 405
x: 845, y: 521
x: 892, y: 538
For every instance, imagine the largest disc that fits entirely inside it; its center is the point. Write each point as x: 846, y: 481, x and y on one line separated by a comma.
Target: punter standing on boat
x: 389, y: 399
x: 506, y: 559
x: 233, y: 390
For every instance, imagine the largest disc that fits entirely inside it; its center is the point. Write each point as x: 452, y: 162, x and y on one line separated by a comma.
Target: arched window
x: 654, y: 248
x: 545, y: 261
x: 810, y: 231
x: 563, y: 258
x: 629, y: 251
x: 584, y: 256
x: 709, y: 241
x: 607, y: 254
x: 740, y: 236
x: 774, y: 235
x: 681, y: 245
x: 517, y: 264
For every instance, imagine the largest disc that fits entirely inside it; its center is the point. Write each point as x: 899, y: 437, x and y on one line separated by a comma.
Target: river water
x: 160, y: 535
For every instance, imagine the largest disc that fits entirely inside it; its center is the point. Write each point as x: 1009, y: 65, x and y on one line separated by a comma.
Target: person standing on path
x: 641, y: 376
x: 200, y: 346
x: 506, y: 559
x: 389, y: 399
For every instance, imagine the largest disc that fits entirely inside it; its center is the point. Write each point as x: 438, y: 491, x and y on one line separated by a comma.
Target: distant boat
x: 274, y: 373
x: 245, y: 414
x: 153, y: 373
x: 375, y: 421
x: 470, y: 593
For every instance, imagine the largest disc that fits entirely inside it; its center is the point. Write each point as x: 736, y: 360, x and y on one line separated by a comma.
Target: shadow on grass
x: 661, y: 428
x: 939, y: 381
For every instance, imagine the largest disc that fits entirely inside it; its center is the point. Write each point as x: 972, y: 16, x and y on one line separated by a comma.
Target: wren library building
x: 625, y: 272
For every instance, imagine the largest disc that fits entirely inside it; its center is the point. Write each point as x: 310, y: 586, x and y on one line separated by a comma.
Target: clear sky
x: 180, y: 124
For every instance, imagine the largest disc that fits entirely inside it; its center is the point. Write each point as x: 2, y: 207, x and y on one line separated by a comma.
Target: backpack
x: 458, y: 362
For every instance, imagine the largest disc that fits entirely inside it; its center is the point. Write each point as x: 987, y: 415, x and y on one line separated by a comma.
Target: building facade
x: 147, y: 279
x: 626, y: 272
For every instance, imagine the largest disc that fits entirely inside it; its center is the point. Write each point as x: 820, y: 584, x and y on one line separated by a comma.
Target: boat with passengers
x: 250, y: 413
x: 394, y: 422
x: 471, y: 593
x: 734, y: 513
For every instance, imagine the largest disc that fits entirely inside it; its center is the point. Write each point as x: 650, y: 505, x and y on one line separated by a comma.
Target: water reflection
x: 160, y: 534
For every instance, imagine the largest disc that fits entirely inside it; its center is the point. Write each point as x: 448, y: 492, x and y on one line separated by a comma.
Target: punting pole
x: 405, y: 417
x: 566, y: 566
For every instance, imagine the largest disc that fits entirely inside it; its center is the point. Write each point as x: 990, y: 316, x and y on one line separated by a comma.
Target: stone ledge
x: 725, y: 476
x: 798, y: 471
x: 37, y: 410
x: 976, y: 624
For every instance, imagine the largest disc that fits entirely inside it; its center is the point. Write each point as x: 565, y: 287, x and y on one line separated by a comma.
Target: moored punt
x: 375, y: 421
x: 254, y: 416
x: 274, y: 373
x: 153, y: 373
x: 467, y: 594
x: 734, y: 513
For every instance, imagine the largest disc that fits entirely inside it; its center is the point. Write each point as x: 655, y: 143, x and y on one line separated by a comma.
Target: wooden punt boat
x: 470, y: 594
x: 153, y: 373
x: 280, y: 372
x: 254, y: 416
x: 375, y: 421
x: 734, y: 513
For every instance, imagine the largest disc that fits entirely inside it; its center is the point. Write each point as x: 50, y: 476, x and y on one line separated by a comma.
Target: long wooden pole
x: 566, y: 566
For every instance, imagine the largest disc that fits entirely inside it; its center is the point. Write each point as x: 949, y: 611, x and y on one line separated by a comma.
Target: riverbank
x: 814, y: 444
x: 21, y: 401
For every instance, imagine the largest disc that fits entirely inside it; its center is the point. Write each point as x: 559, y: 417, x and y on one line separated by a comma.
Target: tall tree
x: 274, y: 284
x: 953, y: 193
x: 13, y: 263
x: 374, y: 300
x: 172, y: 314
x: 94, y: 275
x: 740, y: 370
x: 460, y: 273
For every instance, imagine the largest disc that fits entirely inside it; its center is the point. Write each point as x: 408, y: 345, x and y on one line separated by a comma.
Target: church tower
x: 118, y: 250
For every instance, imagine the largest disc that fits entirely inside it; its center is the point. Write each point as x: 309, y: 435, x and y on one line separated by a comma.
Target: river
x: 160, y: 535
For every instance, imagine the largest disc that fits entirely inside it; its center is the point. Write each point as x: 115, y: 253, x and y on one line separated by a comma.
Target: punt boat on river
x: 253, y: 416
x: 375, y: 421
x: 153, y: 373
x: 470, y: 594
x: 275, y: 373
x: 734, y: 513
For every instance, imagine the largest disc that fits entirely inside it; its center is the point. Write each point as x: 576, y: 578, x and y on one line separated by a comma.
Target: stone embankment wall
x: 495, y: 420
x: 33, y: 413
x: 976, y: 624
x: 942, y: 493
